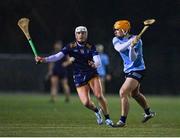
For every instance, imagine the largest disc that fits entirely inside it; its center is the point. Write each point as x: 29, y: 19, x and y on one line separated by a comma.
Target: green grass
x: 33, y: 115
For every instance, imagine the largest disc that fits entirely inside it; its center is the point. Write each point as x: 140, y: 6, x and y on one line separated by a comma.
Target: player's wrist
x: 45, y: 60
x: 132, y: 45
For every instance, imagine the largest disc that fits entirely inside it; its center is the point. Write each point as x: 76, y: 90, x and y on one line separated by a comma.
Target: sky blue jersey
x: 129, y: 65
x: 104, y: 62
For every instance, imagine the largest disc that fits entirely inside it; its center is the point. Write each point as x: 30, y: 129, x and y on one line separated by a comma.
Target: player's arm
x: 52, y: 58
x: 96, y: 59
x: 96, y: 62
x: 121, y: 46
x: 135, y: 41
x: 69, y: 61
x: 132, y: 52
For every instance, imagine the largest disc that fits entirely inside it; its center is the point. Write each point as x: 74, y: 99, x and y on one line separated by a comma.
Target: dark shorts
x: 83, y: 78
x: 60, y: 74
x: 137, y: 75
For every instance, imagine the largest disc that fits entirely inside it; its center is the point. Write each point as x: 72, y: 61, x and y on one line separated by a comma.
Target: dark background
x: 56, y: 19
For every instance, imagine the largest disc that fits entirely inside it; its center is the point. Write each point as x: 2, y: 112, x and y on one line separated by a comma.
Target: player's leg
x: 139, y: 97
x: 66, y: 89
x: 96, y: 87
x: 54, y: 87
x: 128, y: 86
x: 142, y: 101
x: 83, y: 92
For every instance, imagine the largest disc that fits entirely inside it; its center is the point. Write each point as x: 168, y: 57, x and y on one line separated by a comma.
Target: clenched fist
x: 40, y: 59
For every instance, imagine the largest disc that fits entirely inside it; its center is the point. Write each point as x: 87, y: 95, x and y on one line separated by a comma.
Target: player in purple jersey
x: 57, y: 73
x: 130, y: 49
x: 85, y: 60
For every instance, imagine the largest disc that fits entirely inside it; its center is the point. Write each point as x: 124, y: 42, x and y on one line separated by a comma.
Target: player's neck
x: 127, y: 35
x: 81, y: 43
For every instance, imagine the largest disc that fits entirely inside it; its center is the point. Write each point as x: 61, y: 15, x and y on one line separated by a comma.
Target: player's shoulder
x: 89, y: 45
x: 115, y: 39
x: 72, y: 45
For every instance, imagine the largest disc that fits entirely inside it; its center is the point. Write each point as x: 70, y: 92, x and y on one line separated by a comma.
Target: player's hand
x: 71, y: 59
x: 135, y: 41
x: 91, y: 63
x: 68, y: 62
x: 39, y: 59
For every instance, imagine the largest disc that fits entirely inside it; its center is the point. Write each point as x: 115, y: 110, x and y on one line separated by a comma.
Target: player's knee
x: 99, y: 96
x: 123, y: 93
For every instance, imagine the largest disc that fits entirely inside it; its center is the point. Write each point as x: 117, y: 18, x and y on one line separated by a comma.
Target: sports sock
x: 123, y: 119
x: 147, y: 111
x: 107, y: 116
x: 96, y: 110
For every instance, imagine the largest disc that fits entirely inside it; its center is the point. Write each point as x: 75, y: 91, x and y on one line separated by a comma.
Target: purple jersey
x: 82, y: 54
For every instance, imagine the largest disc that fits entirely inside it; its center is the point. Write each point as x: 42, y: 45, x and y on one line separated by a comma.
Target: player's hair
x: 123, y: 24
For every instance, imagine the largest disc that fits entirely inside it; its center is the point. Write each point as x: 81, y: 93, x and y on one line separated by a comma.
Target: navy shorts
x: 83, y: 78
x: 137, y: 75
x: 60, y: 74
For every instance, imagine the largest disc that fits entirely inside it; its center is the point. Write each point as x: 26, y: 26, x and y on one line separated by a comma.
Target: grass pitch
x: 33, y: 115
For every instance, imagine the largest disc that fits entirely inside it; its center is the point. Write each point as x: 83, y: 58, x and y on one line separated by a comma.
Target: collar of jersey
x: 80, y: 44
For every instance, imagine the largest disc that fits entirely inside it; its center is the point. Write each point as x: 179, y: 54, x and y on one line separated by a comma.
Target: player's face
x: 118, y: 33
x: 57, y: 47
x: 100, y: 49
x: 81, y: 36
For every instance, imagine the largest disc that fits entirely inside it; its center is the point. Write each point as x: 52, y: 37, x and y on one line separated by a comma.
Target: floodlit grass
x: 34, y: 115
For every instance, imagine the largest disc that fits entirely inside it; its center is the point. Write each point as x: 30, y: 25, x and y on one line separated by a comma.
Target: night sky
x: 51, y: 20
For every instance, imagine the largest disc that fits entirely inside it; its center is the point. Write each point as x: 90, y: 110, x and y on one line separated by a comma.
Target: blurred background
x: 52, y: 20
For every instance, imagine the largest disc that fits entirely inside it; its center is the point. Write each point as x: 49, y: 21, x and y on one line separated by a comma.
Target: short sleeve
x: 115, y: 41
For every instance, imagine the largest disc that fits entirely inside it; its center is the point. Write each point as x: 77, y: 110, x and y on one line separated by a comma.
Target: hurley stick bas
x: 23, y: 23
x: 147, y: 23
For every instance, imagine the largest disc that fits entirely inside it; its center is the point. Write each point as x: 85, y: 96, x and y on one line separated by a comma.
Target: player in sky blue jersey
x: 130, y: 49
x: 85, y: 60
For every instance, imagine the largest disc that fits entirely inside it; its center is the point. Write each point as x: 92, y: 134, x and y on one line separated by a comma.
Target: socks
x: 107, y: 116
x: 96, y: 110
x: 123, y: 119
x: 147, y: 111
